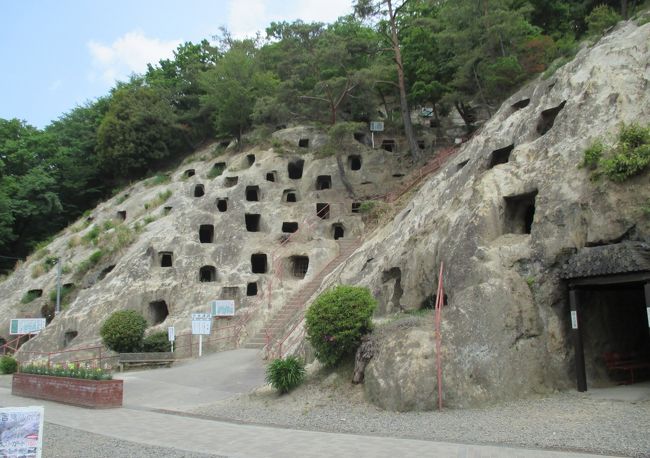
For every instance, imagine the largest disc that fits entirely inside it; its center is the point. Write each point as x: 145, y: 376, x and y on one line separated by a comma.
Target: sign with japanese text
x: 26, y: 325
x: 21, y: 432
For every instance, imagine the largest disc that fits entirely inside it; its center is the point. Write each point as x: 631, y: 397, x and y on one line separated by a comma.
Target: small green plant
x: 90, y: 262
x: 156, y: 342
x: 592, y: 155
x: 160, y: 199
x: 367, y: 206
x: 337, y: 320
x: 66, y: 290
x: 40, y: 254
x: 285, y: 374
x: 157, y: 180
x: 123, y: 331
x: 148, y: 219
x: 29, y: 296
x: 120, y: 200
x: 8, y: 364
x: 91, y: 237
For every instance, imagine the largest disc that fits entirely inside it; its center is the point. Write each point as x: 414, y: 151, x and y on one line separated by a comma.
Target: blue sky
x: 57, y: 54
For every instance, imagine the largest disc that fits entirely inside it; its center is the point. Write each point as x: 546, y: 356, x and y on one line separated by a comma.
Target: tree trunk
x: 344, y: 178
x: 401, y: 83
x: 624, y: 9
x: 364, y: 354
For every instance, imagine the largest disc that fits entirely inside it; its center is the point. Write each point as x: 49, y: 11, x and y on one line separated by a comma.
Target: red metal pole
x: 439, y: 301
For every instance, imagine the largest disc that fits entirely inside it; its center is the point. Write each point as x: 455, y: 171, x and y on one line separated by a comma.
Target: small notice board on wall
x: 19, y: 326
x: 223, y: 308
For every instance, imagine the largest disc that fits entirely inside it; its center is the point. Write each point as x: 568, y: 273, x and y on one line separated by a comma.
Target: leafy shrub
x: 92, y: 235
x: 630, y: 156
x: 600, y: 19
x: 89, y: 263
x: 123, y: 331
x: 65, y: 292
x: 285, y: 374
x: 8, y: 365
x: 158, y: 341
x: 337, y: 320
x: 367, y: 206
x: 592, y: 155
x: 216, y: 171
x: 157, y: 180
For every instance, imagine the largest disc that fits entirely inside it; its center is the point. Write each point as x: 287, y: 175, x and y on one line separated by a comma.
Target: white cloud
x: 128, y: 54
x: 246, y: 18
x: 322, y: 11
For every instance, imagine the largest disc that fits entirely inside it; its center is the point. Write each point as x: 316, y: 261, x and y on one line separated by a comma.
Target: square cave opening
x: 199, y: 190
x: 258, y: 263
x: 323, y: 182
x: 252, y: 193
x: 303, y: 143
x: 323, y: 210
x: 289, y: 227
x: 354, y: 162
x: 206, y: 233
x: 272, y: 176
x: 501, y: 155
x: 294, y: 168
x: 222, y: 204
x: 338, y: 231
x: 389, y: 145
x: 166, y: 258
x: 519, y: 213
x: 252, y: 222
x: 229, y: 182
x: 251, y: 289
x: 289, y: 195
x: 299, y: 266
x: 207, y: 274
x: 547, y: 118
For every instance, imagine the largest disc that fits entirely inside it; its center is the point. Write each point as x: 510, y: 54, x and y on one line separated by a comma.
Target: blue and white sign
x: 223, y: 308
x: 201, y: 324
x: 171, y: 333
x: 19, y: 326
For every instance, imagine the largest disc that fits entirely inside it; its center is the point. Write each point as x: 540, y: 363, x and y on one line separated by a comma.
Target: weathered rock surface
x: 505, y: 328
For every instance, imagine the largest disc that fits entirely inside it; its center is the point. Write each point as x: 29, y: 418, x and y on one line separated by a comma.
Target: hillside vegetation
x: 450, y: 56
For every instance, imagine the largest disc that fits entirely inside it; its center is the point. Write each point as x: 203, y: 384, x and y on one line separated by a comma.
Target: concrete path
x: 195, y: 382
x: 222, y: 375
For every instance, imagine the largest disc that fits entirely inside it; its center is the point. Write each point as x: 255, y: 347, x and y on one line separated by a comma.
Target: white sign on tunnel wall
x: 223, y: 308
x: 574, y: 319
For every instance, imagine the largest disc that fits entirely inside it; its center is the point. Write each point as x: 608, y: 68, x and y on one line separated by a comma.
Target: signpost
x: 21, y: 431
x: 171, y: 336
x: 223, y: 308
x: 20, y: 326
x: 201, y: 325
x: 375, y: 126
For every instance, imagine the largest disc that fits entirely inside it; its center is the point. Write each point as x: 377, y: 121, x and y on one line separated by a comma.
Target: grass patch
x: 157, y: 180
x: 216, y: 171
x: 29, y: 296
x: 92, y: 236
x: 65, y: 293
x: 160, y: 199
x: 90, y: 262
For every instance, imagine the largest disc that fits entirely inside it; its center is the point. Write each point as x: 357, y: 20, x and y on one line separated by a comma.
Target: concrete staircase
x: 291, y: 313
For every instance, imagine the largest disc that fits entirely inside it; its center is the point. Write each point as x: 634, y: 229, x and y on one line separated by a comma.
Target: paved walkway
x: 212, y: 379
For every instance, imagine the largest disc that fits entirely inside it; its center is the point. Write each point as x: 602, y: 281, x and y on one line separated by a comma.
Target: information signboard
x: 21, y: 431
x: 171, y: 333
x: 376, y: 126
x: 201, y: 323
x: 26, y: 326
x: 223, y: 308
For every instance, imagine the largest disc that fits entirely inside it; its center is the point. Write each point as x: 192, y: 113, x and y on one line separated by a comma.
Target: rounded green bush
x: 123, y: 331
x: 285, y: 374
x: 156, y: 342
x: 337, y: 320
x: 8, y: 365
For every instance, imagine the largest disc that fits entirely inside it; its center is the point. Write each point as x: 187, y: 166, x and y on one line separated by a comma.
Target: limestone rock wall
x: 506, y: 324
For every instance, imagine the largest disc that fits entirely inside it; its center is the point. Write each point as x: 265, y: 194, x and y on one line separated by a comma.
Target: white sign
x: 223, y: 308
x: 171, y: 334
x: 21, y: 431
x: 377, y: 126
x: 648, y: 311
x: 201, y: 323
x: 26, y: 325
x: 574, y: 319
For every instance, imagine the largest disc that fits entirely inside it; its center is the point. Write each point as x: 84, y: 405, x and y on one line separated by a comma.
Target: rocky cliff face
x: 503, y: 216
x: 211, y: 230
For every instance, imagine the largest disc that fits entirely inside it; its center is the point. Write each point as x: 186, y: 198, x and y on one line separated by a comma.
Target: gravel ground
x: 568, y: 421
x: 64, y: 442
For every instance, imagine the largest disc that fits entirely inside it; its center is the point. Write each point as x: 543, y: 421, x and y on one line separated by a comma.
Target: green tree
x: 232, y: 87
x: 139, y: 130
x: 390, y: 10
x: 337, y: 320
x: 123, y: 331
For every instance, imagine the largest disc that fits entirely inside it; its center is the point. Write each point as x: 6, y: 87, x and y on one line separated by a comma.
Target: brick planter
x: 98, y: 394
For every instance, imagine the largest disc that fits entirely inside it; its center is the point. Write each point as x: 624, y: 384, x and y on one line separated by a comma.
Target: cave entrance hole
x: 206, y: 233
x: 258, y: 263
x: 189, y: 173
x: 252, y: 193
x: 251, y: 289
x: 547, y: 118
x: 252, y: 222
x: 250, y: 158
x: 299, y: 266
x: 229, y: 182
x: 519, y: 213
x: 199, y: 190
x: 354, y: 162
x: 323, y: 182
x: 272, y: 176
x: 501, y: 156
x: 158, y: 312
x: 289, y: 227
x: 290, y: 195
x: 207, y: 274
x: 389, y: 145
x: 68, y: 337
x: 338, y: 231
x: 166, y: 258
x: 121, y: 215
x: 323, y: 210
x: 294, y: 168
x: 222, y: 204
x: 303, y: 143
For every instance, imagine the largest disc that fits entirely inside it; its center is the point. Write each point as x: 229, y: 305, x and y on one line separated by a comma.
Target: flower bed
x: 83, y: 387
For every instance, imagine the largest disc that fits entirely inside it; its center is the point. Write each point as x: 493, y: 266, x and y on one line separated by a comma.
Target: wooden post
x: 581, y: 376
